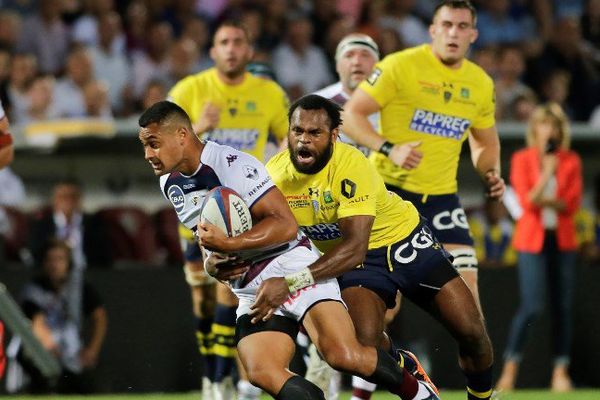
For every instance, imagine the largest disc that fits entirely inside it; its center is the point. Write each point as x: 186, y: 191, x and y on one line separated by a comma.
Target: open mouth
x: 452, y: 46
x: 304, y: 156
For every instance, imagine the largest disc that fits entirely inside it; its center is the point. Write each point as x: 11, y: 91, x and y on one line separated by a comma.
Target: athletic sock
x: 224, y: 348
x: 298, y: 388
x: 205, y: 339
x: 362, y: 389
x: 395, y: 379
x: 479, y: 384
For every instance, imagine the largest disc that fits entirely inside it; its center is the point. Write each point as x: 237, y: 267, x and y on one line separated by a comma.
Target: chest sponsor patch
x: 438, y: 124
x: 236, y: 138
x: 322, y: 232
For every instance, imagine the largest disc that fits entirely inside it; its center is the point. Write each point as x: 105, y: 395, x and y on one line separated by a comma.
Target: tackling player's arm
x: 358, y: 128
x: 485, y: 154
x: 276, y: 224
x: 343, y: 257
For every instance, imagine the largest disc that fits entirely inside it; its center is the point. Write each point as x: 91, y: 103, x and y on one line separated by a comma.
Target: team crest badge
x: 464, y: 93
x: 327, y: 197
x: 250, y: 106
x: 315, y: 204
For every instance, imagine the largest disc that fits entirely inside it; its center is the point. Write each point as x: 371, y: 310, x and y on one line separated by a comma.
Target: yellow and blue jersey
x: 249, y: 111
x: 347, y: 186
x: 423, y: 100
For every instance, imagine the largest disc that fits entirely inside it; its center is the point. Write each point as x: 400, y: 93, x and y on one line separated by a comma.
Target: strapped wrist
x: 386, y: 148
x: 299, y: 280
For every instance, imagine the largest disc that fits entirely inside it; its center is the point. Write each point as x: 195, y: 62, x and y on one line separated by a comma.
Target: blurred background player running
x: 229, y: 106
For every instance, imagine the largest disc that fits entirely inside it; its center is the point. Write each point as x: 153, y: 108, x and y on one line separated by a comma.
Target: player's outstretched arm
x: 485, y: 154
x: 356, y: 122
x: 274, y: 224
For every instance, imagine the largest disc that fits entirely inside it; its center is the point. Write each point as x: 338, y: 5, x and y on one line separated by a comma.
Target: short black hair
x: 457, y: 4
x: 316, y: 102
x: 161, y: 111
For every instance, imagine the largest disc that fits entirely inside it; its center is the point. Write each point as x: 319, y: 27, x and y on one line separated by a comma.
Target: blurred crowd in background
x: 108, y: 59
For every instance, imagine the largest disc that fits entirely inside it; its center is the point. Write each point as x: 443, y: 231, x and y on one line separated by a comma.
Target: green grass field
x: 445, y: 395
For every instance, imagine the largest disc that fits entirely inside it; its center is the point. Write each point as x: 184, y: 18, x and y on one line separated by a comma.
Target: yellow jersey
x: 249, y: 111
x: 423, y: 100
x: 348, y: 185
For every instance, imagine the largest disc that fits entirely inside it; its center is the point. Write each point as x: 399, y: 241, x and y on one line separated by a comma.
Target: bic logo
x: 175, y: 194
x: 450, y: 220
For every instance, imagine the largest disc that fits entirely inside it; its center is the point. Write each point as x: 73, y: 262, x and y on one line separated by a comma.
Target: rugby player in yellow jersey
x: 432, y: 99
x: 230, y: 106
x: 341, y: 203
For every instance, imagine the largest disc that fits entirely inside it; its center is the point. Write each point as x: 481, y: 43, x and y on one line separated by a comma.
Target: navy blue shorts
x: 444, y: 214
x: 192, y: 252
x: 417, y: 266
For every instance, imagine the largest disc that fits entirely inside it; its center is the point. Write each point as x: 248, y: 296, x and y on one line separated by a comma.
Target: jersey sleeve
x: 382, y: 84
x: 246, y: 175
x: 486, y: 115
x: 181, y: 94
x: 355, y: 187
x: 279, y: 124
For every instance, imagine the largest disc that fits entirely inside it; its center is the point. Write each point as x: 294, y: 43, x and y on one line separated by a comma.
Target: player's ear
x: 335, y: 132
x: 431, y: 31
x: 474, y: 35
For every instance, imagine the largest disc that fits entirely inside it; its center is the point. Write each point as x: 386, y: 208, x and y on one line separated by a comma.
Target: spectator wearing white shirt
x: 412, y: 30
x: 110, y: 65
x: 68, y: 92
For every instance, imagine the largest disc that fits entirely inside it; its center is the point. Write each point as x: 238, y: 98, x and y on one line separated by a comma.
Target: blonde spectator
x: 547, y: 179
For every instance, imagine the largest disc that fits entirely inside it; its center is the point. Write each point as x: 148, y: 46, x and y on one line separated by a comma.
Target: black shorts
x: 417, y: 266
x: 444, y: 214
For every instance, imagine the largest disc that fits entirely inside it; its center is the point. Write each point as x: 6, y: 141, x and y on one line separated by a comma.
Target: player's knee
x: 369, y: 335
x: 259, y: 376
x: 340, y: 356
x: 475, y: 341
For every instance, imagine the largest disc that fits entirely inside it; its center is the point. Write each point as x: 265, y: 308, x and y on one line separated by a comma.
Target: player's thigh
x: 225, y: 296
x: 455, y: 307
x: 266, y: 357
x: 332, y: 332
x: 367, y: 311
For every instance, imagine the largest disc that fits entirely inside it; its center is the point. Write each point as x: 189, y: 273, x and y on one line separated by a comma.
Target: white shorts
x: 298, y: 303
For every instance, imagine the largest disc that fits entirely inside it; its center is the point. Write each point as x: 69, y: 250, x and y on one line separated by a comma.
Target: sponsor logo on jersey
x: 176, y: 196
x: 298, y: 201
x: 250, y: 172
x: 439, y: 124
x: 322, y: 232
x: 374, y: 76
x: 230, y: 158
x: 236, y: 138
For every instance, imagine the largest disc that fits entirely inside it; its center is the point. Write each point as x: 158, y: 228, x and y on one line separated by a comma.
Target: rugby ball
x: 226, y: 209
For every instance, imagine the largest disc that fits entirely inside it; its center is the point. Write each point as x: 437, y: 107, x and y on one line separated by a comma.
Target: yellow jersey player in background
x: 227, y: 105
x: 431, y: 100
x: 343, y: 206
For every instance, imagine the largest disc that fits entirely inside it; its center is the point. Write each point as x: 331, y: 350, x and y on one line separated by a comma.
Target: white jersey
x: 219, y: 166
x: 337, y: 94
